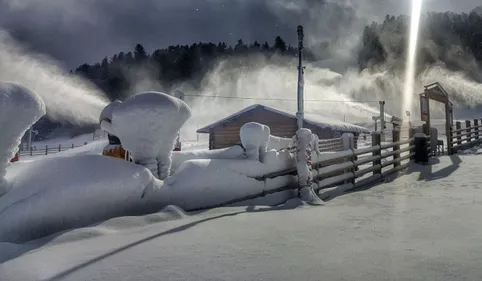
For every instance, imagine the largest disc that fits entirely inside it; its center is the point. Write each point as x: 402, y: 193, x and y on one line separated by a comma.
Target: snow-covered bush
x: 254, y: 138
x: 147, y: 125
x: 19, y: 109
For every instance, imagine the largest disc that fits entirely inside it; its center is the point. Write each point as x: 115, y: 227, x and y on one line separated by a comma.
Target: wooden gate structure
x: 435, y: 92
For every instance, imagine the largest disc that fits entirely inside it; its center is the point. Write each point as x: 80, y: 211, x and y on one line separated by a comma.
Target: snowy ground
x: 423, y: 226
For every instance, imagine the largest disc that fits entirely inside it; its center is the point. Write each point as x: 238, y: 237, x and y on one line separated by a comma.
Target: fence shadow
x: 426, y: 172
x: 65, y: 273
x: 35, y: 244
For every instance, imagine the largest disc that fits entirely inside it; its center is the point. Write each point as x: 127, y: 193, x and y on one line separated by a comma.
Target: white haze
x: 67, y: 98
x: 352, y: 96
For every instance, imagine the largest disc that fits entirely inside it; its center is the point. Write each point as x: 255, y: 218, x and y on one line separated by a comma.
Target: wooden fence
x: 358, y: 168
x: 465, y: 137
x: 353, y: 166
x: 46, y: 151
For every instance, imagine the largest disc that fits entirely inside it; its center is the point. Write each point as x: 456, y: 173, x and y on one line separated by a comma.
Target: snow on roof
x: 313, y: 119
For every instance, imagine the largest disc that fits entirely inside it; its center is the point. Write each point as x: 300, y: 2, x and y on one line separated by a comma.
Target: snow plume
x: 230, y: 87
x: 67, y: 98
x: 19, y: 109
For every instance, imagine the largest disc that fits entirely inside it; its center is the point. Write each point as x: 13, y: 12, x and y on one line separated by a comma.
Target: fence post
x: 31, y: 151
x: 476, y: 129
x: 469, y: 129
x: 411, y: 134
x: 349, y: 144
x: 458, y: 126
x: 395, y: 139
x: 72, y: 145
x: 46, y: 150
x: 60, y: 147
x: 377, y: 140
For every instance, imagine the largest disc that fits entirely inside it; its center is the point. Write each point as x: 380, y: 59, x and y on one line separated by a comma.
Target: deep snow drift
x: 79, y: 187
x: 414, y: 228
x: 19, y: 109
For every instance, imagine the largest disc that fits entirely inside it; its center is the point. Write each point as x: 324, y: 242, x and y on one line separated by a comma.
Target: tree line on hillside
x: 449, y: 38
x: 171, y: 65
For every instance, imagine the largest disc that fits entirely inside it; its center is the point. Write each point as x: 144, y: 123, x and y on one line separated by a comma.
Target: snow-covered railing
x: 462, y: 138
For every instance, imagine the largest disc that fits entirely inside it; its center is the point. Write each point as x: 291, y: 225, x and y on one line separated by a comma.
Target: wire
x: 282, y: 99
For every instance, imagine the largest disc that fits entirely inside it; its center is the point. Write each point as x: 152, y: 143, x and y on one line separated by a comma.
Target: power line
x: 281, y: 99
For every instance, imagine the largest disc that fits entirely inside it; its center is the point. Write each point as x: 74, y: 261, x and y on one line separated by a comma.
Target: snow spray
x: 68, y: 98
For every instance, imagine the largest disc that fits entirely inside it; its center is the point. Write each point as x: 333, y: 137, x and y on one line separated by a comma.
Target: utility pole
x: 180, y: 95
x: 382, y: 119
x: 30, y: 138
x: 301, y: 83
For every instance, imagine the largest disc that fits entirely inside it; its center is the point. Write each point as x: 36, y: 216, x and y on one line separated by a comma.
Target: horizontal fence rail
x: 353, y: 168
x: 467, y: 136
x: 47, y: 150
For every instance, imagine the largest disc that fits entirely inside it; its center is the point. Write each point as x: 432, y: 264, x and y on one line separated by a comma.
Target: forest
x: 454, y: 40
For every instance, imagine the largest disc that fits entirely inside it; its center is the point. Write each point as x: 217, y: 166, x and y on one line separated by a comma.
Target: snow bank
x: 19, y: 109
x: 56, y: 194
x: 205, y: 183
x: 278, y: 143
x: 147, y: 125
x: 179, y: 157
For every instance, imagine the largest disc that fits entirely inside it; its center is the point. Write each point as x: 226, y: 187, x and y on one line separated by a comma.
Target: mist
x: 68, y: 99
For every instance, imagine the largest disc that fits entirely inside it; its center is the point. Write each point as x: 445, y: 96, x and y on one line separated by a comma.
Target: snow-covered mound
x: 56, y: 194
x: 147, y: 125
x: 179, y: 157
x: 254, y: 137
x: 19, y: 109
x: 79, y: 189
x: 204, y: 183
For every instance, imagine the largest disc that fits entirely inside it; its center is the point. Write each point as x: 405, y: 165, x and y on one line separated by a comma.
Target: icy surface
x: 147, y: 125
x: 19, y: 109
x: 414, y: 228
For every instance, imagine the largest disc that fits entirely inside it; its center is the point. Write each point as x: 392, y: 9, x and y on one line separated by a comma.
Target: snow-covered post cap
x: 105, y: 118
x: 147, y: 126
x: 20, y: 108
x: 255, y: 139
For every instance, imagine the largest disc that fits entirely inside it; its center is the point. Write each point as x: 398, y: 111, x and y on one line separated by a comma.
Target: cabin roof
x: 313, y: 119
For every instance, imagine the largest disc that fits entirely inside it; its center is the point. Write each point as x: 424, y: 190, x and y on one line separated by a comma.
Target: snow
x: 79, y: 187
x: 147, y: 125
x: 254, y: 137
x: 278, y: 143
x: 19, y: 109
x: 59, y: 193
x: 414, y: 228
x: 179, y: 157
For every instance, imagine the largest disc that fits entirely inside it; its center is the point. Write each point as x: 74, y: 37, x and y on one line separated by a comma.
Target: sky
x: 76, y: 32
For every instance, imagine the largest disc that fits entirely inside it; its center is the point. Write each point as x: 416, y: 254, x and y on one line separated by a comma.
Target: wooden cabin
x: 225, y: 132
